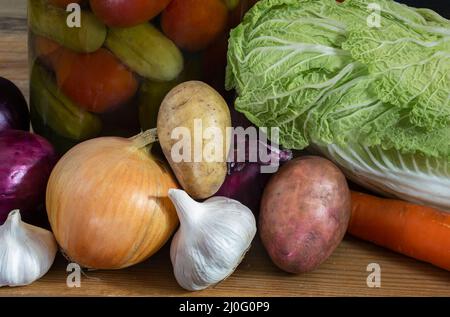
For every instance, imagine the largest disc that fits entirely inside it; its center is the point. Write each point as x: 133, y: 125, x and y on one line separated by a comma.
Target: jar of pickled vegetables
x: 102, y: 67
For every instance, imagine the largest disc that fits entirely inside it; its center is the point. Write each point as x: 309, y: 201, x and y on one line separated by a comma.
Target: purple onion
x: 246, y: 181
x: 245, y: 185
x: 26, y: 161
x: 274, y: 154
x: 14, y: 112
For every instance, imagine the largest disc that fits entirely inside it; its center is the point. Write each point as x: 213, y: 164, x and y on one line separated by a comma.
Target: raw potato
x: 183, y: 104
x: 305, y: 212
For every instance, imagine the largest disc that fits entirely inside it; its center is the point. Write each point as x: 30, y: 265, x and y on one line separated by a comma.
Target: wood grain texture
x: 13, y: 42
x: 343, y: 274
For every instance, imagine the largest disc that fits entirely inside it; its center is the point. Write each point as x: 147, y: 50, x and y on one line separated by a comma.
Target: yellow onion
x: 107, y: 202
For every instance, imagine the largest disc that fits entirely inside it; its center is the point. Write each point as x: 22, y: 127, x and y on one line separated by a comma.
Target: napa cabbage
x: 373, y: 98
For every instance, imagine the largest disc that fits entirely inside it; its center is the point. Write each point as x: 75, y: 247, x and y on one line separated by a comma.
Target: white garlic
x: 212, y: 239
x: 26, y: 252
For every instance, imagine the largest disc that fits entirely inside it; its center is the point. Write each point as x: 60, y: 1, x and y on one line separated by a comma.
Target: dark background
x: 440, y: 6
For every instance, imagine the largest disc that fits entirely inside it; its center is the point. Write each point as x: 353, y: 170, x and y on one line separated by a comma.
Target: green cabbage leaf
x: 374, y: 98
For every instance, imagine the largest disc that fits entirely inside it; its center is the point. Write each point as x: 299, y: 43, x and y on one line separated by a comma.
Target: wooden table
x: 343, y: 274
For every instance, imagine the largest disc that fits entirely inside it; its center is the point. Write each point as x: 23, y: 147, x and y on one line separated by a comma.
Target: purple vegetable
x: 245, y: 185
x: 14, y: 112
x: 246, y: 181
x: 26, y: 161
x: 273, y: 155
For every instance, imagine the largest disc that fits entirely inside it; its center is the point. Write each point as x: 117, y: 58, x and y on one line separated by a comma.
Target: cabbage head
x: 365, y: 82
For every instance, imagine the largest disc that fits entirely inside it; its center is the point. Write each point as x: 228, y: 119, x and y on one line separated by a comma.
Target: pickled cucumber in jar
x: 103, y: 67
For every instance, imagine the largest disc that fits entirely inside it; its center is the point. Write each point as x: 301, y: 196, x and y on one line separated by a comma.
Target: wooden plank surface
x: 343, y: 274
x: 13, y: 42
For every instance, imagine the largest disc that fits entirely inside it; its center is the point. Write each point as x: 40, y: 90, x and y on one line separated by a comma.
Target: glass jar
x: 102, y: 68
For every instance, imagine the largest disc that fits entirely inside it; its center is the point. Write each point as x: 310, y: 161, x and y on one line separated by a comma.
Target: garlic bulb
x: 26, y: 252
x: 212, y: 240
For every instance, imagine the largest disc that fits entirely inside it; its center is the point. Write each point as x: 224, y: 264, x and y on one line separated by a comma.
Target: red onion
x: 26, y: 161
x: 13, y: 107
x: 246, y: 181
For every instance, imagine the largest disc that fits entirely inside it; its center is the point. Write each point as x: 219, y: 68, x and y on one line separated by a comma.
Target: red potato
x: 305, y: 211
x: 127, y: 13
x: 194, y: 24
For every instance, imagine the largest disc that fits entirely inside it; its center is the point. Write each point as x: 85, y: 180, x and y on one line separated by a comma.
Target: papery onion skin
x: 108, y: 204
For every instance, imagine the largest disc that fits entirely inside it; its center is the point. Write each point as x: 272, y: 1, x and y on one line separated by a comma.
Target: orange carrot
x: 417, y: 231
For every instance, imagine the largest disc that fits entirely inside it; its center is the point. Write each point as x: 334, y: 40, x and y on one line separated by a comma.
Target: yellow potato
x: 192, y: 130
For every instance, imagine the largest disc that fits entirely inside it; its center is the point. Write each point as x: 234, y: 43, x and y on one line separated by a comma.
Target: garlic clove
x: 26, y: 252
x: 212, y: 239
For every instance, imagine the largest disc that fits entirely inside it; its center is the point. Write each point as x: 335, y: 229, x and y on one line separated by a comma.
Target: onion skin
x: 108, y: 205
x: 13, y: 107
x: 26, y: 161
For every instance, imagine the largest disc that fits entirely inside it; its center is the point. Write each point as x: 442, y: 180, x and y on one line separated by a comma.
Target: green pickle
x: 57, y: 111
x: 146, y: 51
x: 61, y: 144
x: 150, y: 55
x: 51, y: 22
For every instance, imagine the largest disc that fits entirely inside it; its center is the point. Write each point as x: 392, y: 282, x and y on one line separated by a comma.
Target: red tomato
x: 194, y: 24
x: 97, y: 82
x: 126, y: 13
